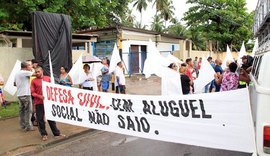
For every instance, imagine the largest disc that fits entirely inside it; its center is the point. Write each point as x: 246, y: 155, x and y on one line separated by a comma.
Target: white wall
x: 167, y: 46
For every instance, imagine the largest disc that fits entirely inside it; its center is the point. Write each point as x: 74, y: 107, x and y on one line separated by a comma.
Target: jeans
x: 41, y: 123
x: 25, y: 112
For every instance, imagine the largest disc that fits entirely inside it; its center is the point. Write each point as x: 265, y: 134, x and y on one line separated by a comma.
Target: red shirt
x: 36, y: 89
x: 199, y: 65
x: 189, y: 72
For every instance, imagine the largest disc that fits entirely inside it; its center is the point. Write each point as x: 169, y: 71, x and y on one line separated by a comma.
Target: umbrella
x: 90, y: 59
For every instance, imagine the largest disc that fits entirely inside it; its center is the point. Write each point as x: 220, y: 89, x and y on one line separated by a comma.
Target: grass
x: 11, y: 110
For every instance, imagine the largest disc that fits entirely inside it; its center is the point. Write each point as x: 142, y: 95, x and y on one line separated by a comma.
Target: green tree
x: 222, y: 21
x: 16, y: 15
x: 177, y: 29
x: 167, y: 11
x: 140, y: 6
x: 128, y: 19
x: 157, y: 24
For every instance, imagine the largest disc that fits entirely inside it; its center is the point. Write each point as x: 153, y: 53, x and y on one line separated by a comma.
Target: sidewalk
x: 15, y: 141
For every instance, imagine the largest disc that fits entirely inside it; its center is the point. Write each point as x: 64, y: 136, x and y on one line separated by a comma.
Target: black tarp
x: 52, y: 32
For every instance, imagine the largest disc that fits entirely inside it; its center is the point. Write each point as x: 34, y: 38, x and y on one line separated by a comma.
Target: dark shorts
x: 121, y: 89
x: 88, y: 88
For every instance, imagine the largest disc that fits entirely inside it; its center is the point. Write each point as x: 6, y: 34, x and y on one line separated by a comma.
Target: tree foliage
x: 157, y: 24
x: 177, y: 29
x: 16, y: 14
x: 140, y: 6
x: 222, y: 21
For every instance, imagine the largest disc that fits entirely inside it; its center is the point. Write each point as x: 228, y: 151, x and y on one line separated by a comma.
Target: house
x: 132, y: 44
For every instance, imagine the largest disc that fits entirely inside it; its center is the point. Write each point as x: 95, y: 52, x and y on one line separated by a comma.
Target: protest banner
x: 217, y: 120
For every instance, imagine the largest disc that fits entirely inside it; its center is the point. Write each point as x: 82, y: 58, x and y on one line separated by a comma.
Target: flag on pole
x: 114, y: 59
x: 9, y: 86
x: 241, y: 53
x: 154, y: 61
x: 228, y: 57
x: 51, y: 69
x: 206, y: 76
x: 255, y: 47
x: 76, y: 72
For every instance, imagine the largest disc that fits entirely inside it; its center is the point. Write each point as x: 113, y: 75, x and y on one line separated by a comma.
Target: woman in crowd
x: 173, y: 66
x: 229, y: 79
x: 64, y: 78
x: 89, y: 81
x: 185, y: 80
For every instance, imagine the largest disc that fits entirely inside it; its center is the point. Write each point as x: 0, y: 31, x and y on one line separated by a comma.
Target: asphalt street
x: 100, y: 143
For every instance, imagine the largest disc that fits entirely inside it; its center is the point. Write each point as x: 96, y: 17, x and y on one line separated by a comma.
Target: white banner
x: 217, y: 120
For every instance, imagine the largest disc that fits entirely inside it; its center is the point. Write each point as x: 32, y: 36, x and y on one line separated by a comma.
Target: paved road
x: 101, y: 143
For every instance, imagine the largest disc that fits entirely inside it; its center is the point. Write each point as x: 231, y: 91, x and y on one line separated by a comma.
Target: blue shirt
x: 218, y: 69
x: 105, y: 74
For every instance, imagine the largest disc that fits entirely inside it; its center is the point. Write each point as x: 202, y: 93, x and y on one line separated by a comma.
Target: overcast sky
x: 180, y: 8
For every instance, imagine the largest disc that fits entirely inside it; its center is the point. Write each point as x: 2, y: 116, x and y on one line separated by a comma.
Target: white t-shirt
x: 22, y: 80
x: 88, y: 83
x: 119, y: 73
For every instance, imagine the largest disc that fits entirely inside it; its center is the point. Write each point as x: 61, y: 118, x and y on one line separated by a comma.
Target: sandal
x: 44, y: 138
x: 61, y: 135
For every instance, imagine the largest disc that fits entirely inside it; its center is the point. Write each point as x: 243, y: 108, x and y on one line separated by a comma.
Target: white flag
x: 255, y: 47
x: 206, y: 75
x: 76, y: 72
x: 173, y: 58
x: 170, y: 82
x: 154, y: 61
x: 9, y: 86
x: 114, y: 59
x: 228, y: 57
x: 241, y: 53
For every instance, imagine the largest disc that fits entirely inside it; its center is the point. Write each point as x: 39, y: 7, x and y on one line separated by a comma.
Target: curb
x: 40, y: 147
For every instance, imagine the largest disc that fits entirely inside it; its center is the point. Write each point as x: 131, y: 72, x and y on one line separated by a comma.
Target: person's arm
x: 27, y: 73
x: 244, y: 76
x: 70, y: 80
x: 218, y: 78
x: 189, y: 81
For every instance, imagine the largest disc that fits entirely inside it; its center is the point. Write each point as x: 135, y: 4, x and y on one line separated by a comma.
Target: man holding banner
x: 36, y: 90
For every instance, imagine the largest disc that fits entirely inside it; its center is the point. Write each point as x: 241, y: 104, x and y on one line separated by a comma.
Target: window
x: 258, y: 67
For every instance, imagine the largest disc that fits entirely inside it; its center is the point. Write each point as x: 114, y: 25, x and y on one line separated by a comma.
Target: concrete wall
x: 220, y: 55
x: 8, y: 59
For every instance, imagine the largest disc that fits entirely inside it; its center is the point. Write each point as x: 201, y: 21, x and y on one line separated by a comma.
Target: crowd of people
x: 29, y: 85
x: 234, y: 76
x: 29, y: 91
